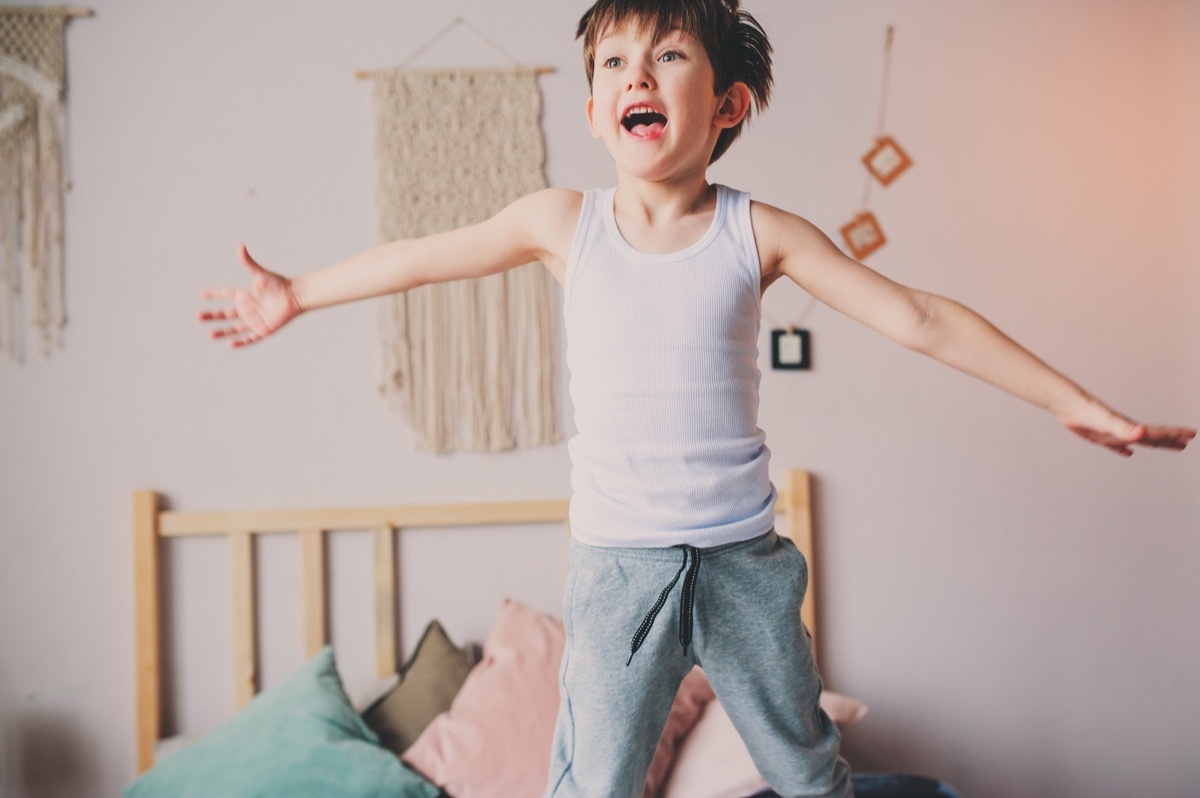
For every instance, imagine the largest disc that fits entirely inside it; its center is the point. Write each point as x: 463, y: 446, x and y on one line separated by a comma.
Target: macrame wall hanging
x: 885, y: 162
x: 471, y: 364
x: 32, y: 175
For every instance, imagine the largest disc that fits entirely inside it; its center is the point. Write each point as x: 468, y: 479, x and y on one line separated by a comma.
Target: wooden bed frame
x: 152, y: 523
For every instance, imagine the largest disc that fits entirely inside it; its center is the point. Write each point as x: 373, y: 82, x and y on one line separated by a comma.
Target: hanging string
x: 887, y: 74
x: 799, y: 319
x: 456, y: 23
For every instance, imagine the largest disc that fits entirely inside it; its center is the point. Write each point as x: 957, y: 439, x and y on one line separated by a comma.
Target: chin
x: 650, y: 174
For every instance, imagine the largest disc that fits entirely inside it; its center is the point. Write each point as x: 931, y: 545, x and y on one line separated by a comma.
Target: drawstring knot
x: 686, y: 603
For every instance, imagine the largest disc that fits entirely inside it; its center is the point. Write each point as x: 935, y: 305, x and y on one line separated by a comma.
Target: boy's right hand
x: 264, y: 307
x: 1094, y: 421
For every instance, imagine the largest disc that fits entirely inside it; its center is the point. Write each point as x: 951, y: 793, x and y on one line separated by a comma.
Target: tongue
x: 652, y: 129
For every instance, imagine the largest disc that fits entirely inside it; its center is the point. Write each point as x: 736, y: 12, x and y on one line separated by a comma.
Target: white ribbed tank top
x: 662, y: 351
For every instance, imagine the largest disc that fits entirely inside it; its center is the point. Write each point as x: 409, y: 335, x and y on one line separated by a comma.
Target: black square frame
x: 805, y: 362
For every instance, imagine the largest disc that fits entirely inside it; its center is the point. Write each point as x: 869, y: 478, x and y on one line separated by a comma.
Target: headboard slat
x: 385, y: 601
x: 241, y: 579
x: 312, y: 554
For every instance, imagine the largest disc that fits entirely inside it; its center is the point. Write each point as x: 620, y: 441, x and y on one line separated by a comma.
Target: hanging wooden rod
x: 363, y: 74
x: 56, y: 10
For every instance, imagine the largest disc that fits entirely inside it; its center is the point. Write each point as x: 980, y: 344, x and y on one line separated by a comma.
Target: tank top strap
x: 740, y: 228
x: 590, y: 215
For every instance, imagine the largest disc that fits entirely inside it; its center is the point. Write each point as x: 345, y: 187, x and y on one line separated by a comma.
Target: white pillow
x: 713, y: 761
x: 172, y: 745
x: 366, y: 698
x: 842, y: 709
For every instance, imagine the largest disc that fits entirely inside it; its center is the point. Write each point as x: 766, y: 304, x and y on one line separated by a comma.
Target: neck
x: 663, y: 201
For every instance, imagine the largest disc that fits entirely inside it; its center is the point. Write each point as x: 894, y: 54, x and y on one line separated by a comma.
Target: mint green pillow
x: 300, y: 739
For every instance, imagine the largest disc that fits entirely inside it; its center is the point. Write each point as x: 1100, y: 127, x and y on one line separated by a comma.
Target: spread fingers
x: 217, y: 315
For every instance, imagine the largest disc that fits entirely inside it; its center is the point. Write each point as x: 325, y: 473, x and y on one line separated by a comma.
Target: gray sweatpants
x: 738, y: 609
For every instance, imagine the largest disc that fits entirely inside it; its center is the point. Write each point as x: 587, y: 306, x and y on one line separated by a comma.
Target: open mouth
x: 643, y: 120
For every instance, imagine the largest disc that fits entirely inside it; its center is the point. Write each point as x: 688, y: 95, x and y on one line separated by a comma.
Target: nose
x: 640, y: 78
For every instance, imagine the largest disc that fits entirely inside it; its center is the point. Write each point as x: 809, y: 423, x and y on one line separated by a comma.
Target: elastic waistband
x: 667, y: 552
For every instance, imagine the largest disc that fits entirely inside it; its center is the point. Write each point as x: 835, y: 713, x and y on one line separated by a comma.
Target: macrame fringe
x: 32, y: 182
x: 470, y: 364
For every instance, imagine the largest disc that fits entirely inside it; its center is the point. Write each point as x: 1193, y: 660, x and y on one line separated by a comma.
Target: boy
x: 662, y: 279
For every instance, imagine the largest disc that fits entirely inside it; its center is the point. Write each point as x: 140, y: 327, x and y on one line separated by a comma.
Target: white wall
x: 1017, y: 607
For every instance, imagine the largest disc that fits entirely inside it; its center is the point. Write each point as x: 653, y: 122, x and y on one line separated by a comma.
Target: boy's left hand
x: 1099, y: 424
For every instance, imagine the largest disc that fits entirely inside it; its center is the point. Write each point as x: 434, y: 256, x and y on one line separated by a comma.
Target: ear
x: 734, y: 106
x: 590, y: 110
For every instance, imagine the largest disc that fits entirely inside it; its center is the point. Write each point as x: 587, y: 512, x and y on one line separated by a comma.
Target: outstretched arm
x: 535, y: 227
x: 945, y: 330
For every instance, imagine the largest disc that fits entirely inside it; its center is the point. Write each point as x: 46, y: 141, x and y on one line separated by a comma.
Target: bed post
x: 148, y: 655
x: 799, y: 516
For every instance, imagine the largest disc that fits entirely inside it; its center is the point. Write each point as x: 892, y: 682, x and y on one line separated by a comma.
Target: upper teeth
x: 640, y: 109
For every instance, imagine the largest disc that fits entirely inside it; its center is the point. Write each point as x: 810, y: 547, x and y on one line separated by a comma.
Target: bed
x: 450, y: 720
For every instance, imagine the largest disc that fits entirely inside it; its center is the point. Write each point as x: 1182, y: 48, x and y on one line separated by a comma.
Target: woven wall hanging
x: 32, y: 175
x: 471, y: 364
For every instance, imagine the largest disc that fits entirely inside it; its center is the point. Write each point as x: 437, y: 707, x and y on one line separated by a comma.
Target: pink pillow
x: 713, y: 762
x: 495, y: 739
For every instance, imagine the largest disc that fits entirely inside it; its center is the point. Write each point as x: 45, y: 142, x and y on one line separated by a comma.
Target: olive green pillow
x: 429, y: 681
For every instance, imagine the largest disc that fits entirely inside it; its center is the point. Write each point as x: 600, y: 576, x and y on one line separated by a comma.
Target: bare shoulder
x: 551, y: 204
x: 549, y: 217
x: 784, y: 239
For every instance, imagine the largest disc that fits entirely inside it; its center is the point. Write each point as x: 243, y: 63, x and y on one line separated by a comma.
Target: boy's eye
x: 612, y: 63
x: 670, y: 55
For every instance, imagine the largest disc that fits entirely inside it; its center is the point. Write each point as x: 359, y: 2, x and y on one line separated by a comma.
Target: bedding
x: 890, y: 785
x: 480, y: 732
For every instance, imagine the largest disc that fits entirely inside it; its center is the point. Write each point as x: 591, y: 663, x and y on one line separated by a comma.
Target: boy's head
x: 736, y: 45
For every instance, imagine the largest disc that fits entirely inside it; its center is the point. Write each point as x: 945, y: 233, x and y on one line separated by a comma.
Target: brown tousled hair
x: 736, y: 44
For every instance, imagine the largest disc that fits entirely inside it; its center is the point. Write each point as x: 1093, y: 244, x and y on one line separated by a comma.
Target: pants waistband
x: 669, y: 553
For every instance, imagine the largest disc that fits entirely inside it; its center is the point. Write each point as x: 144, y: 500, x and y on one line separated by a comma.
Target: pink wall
x: 1016, y: 606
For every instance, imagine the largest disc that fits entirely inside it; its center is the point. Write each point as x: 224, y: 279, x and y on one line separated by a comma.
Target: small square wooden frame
x: 886, y: 160
x: 863, y: 235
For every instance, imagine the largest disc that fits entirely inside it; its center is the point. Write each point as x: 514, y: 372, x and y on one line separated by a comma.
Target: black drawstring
x: 686, y: 602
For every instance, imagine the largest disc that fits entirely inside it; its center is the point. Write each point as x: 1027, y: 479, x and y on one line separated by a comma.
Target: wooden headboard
x: 152, y: 523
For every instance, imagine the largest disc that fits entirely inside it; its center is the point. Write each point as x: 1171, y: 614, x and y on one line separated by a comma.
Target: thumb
x: 1124, y: 430
x: 249, y: 262
x: 1109, y: 424
x: 1134, y: 432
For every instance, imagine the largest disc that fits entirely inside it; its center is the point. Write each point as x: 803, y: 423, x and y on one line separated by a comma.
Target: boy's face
x: 654, y: 105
